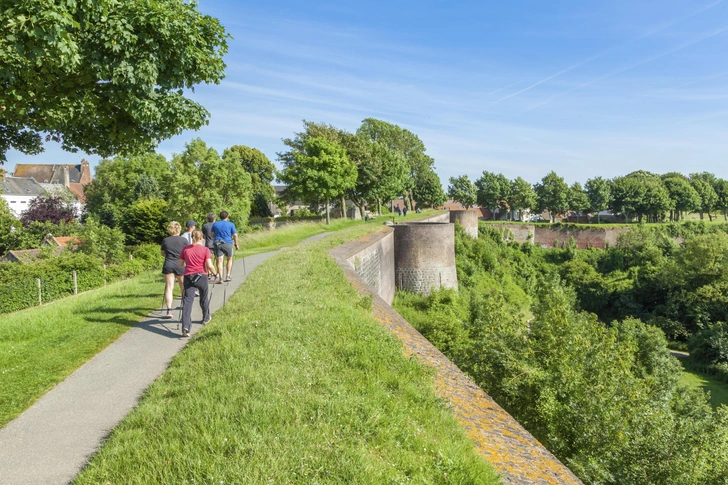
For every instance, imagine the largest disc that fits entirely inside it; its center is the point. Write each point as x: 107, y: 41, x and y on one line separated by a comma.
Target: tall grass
x: 294, y: 381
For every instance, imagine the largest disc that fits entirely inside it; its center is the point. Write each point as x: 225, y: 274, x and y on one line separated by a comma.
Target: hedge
x: 19, y: 287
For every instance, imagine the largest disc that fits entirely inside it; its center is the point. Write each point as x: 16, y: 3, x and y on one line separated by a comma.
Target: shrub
x: 145, y: 221
x: 103, y: 242
x: 710, y: 345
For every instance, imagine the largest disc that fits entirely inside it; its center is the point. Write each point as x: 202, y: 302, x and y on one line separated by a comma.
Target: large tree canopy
x: 104, y: 76
x: 320, y: 169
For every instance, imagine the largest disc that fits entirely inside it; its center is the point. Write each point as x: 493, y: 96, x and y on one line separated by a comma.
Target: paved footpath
x: 53, y: 439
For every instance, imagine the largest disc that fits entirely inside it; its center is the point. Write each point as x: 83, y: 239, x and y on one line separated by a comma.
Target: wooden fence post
x: 75, y: 283
x: 40, y: 296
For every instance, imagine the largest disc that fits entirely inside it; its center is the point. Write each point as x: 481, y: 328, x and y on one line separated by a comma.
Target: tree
x: 47, y: 209
x: 641, y: 193
x: 721, y: 190
x: 203, y: 182
x: 553, y: 194
x: 684, y: 197
x: 99, y: 240
x: 462, y: 190
x: 406, y: 143
x: 123, y: 180
x: 701, y: 182
x: 321, y: 169
x: 522, y: 196
x: 427, y: 190
x: 381, y: 174
x: 492, y: 190
x: 146, y: 221
x: 598, y: 191
x: 578, y: 200
x: 327, y: 132
x: 104, y: 76
x: 262, y: 174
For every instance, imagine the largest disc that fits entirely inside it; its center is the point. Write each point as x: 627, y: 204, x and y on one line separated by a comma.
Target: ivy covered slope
x: 293, y: 381
x: 604, y: 397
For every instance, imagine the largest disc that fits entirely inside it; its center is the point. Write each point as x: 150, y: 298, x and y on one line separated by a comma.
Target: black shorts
x: 223, y: 249
x: 171, y: 267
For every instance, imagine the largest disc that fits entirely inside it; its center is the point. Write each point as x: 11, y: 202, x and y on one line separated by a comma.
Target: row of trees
x: 639, y: 194
x: 139, y: 194
x: 380, y: 162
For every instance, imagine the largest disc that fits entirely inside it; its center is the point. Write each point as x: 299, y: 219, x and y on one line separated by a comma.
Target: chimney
x: 85, y: 172
x: 66, y: 177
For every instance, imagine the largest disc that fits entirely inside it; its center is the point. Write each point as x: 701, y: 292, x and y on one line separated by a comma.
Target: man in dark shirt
x: 207, y: 230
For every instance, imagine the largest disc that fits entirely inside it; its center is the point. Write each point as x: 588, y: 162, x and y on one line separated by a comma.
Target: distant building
x: 45, y: 173
x: 53, y: 176
x: 18, y: 192
x: 58, y: 245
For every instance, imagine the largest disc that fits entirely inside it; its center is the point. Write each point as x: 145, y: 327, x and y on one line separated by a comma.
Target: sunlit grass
x: 41, y: 346
x: 292, y: 382
x: 718, y: 390
x: 288, y: 235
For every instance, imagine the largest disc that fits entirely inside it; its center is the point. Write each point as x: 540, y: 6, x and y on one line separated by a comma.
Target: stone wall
x: 498, y: 438
x: 372, y: 257
x: 468, y: 219
x: 424, y: 256
x: 585, y: 237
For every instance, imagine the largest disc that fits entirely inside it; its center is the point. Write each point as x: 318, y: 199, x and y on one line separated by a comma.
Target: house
x: 27, y: 255
x: 57, y: 245
x: 52, y: 176
x: 45, y: 173
x: 18, y: 192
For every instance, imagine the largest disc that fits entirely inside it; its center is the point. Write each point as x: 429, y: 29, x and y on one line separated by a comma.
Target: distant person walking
x: 225, y: 235
x: 197, y: 261
x: 172, y: 247
x: 207, y: 232
x: 404, y: 211
x: 191, y: 226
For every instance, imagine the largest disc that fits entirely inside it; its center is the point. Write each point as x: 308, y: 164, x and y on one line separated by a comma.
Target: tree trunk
x: 343, y: 206
x: 701, y: 215
x: 710, y: 217
x: 328, y: 217
x: 379, y: 207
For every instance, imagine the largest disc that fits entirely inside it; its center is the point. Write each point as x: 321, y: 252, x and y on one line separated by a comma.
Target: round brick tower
x: 468, y: 219
x: 424, y: 256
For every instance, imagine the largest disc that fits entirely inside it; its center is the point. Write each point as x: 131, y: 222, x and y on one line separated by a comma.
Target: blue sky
x: 518, y: 87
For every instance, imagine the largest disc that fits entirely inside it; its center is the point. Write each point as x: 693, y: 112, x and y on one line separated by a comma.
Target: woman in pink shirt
x: 197, y: 260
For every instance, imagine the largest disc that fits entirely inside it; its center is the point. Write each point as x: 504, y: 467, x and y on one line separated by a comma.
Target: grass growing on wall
x: 294, y: 381
x: 41, y: 346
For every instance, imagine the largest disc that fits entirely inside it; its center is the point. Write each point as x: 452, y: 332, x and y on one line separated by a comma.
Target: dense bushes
x: 20, y: 288
x: 604, y: 398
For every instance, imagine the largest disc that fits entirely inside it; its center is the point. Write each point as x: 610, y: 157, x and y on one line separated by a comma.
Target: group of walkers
x: 188, y: 259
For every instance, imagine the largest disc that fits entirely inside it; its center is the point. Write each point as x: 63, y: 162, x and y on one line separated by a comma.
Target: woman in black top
x: 172, y: 246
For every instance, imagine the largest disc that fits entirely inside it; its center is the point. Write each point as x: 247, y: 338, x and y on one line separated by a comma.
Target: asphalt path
x: 53, y: 439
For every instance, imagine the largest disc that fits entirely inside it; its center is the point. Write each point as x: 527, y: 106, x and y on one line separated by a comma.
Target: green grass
x: 41, y: 346
x: 294, y: 381
x: 291, y: 234
x: 718, y: 390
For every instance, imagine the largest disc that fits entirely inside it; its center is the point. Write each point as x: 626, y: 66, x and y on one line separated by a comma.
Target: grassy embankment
x: 41, y: 346
x: 294, y: 381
